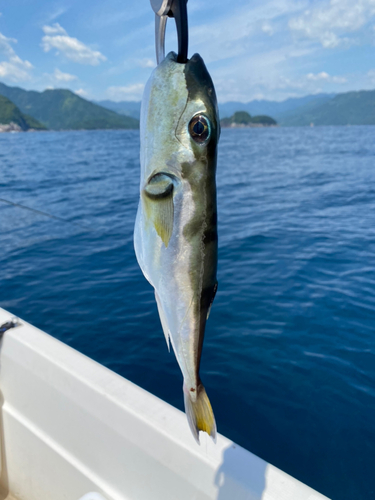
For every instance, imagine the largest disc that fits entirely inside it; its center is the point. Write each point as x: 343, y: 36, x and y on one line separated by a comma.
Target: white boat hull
x: 71, y: 428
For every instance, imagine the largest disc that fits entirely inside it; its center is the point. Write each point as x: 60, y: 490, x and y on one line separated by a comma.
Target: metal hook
x: 171, y: 8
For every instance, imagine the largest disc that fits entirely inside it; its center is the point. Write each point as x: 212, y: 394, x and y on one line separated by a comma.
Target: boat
x: 71, y: 429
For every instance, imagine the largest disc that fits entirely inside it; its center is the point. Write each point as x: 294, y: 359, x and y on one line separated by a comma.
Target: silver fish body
x: 175, y: 234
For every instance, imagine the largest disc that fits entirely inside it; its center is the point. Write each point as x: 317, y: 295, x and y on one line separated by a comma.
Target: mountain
x: 271, y: 108
x: 227, y: 109
x: 350, y: 108
x: 128, y: 108
x: 9, y: 113
x: 61, y: 109
x: 288, y: 117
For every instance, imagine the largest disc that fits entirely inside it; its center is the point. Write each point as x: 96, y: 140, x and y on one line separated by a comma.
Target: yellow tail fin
x: 199, y: 412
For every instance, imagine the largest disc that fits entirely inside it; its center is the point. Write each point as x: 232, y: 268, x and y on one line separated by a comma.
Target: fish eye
x: 200, y: 128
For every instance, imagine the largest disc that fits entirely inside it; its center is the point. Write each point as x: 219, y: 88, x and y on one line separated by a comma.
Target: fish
x: 175, y: 236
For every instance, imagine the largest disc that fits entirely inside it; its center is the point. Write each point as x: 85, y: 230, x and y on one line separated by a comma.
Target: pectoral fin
x: 158, y: 201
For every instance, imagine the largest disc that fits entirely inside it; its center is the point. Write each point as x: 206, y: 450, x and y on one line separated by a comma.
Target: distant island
x: 244, y: 119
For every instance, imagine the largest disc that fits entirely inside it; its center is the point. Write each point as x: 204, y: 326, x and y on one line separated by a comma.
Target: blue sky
x: 261, y: 49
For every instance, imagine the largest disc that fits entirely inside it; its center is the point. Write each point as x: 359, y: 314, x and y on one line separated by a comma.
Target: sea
x: 289, y: 354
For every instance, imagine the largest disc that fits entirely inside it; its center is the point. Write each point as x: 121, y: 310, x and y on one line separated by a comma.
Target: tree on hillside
x: 264, y: 120
x: 241, y: 117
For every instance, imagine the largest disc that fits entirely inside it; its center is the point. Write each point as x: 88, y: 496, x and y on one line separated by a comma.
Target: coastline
x: 248, y: 125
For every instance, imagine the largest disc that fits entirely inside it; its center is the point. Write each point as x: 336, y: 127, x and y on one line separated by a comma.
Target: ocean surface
x: 289, y: 354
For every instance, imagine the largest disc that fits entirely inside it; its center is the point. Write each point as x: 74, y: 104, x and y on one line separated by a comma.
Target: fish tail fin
x: 199, y: 412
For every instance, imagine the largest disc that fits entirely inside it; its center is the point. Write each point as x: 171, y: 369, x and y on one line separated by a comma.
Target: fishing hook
x: 171, y: 8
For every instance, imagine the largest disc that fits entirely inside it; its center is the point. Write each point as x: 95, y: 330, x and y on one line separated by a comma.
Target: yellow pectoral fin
x: 163, y: 220
x: 159, y: 208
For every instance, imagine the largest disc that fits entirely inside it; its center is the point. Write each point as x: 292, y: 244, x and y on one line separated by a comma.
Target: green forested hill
x: 351, y: 108
x: 61, y: 109
x: 10, y: 113
x: 243, y: 118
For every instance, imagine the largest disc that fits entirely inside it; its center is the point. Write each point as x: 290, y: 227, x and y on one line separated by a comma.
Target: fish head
x: 179, y: 119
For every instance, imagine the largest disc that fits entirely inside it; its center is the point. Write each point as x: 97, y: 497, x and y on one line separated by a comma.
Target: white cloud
x: 57, y: 38
x: 54, y: 29
x: 266, y: 72
x: 57, y: 79
x: 59, y: 76
x: 233, y: 35
x: 323, y: 76
x: 63, y: 77
x: 338, y: 79
x: 127, y: 93
x: 274, y: 75
x: 331, y: 20
x: 318, y: 76
x: 81, y: 92
x: 245, y: 63
x: 54, y: 13
x: 131, y: 64
x: 5, y: 46
x: 146, y: 63
x: 13, y: 68
x: 267, y: 28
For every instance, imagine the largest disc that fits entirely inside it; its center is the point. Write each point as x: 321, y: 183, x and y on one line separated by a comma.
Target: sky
x: 254, y: 49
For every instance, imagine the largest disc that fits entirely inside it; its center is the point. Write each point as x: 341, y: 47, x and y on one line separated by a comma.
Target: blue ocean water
x: 289, y: 354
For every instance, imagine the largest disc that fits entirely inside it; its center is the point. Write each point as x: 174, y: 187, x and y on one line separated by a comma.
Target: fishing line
x: 45, y: 214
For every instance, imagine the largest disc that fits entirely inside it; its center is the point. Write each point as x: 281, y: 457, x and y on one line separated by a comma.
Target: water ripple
x: 289, y: 356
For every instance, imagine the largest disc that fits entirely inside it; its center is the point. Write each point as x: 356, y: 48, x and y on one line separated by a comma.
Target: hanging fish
x: 176, y: 226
